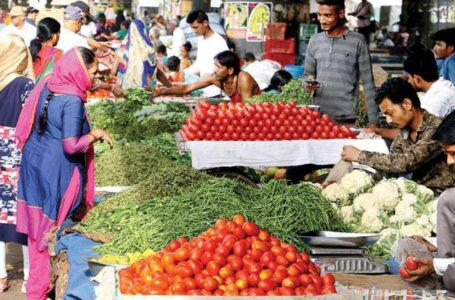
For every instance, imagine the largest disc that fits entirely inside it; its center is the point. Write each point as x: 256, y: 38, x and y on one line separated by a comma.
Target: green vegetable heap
x: 291, y: 92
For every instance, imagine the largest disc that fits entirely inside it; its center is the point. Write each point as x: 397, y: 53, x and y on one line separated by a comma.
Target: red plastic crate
x: 276, y: 31
x: 283, y: 59
x: 280, y: 46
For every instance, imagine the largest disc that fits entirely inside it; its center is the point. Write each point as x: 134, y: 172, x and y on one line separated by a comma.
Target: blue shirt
x: 447, y: 70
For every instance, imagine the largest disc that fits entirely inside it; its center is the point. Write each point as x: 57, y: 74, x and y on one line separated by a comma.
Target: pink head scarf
x: 69, y: 77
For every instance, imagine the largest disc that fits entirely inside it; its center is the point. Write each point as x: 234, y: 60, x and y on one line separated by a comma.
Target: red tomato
x: 328, y: 279
x: 250, y: 228
x: 241, y: 284
x: 159, y: 283
x: 411, y: 264
x: 267, y: 284
x: 286, y: 291
x: 239, y: 233
x: 226, y: 272
x: 213, y: 268
x: 181, y: 254
x: 173, y: 245
x: 279, y: 275
x: 267, y: 257
x: 253, y: 279
x: 220, y: 259
x: 288, y: 282
x: 190, y: 283
x: 206, y: 257
x: 404, y: 273
x: 240, y: 248
x: 328, y: 290
x: 210, y: 284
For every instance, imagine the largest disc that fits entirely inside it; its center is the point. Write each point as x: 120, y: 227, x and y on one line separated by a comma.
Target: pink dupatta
x: 70, y: 77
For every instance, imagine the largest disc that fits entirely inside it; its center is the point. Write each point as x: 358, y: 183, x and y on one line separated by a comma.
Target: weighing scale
x: 341, y: 252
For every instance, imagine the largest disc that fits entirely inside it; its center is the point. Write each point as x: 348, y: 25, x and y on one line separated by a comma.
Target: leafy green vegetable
x: 291, y: 92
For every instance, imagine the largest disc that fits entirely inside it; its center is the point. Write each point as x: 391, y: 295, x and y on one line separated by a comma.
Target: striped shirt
x: 338, y: 64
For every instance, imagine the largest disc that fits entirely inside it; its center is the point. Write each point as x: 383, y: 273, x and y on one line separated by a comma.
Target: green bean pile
x: 285, y: 211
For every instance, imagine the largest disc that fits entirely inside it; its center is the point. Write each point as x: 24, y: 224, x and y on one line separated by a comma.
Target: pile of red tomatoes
x: 232, y: 258
x: 260, y: 122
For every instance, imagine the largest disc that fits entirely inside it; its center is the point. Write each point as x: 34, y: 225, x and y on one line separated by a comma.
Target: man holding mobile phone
x: 335, y: 61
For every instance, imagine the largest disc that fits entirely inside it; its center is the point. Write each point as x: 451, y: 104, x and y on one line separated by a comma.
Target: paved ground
x: 15, y: 275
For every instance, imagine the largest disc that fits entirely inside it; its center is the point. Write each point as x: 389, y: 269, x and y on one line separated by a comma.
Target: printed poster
x: 236, y: 14
x: 259, y: 15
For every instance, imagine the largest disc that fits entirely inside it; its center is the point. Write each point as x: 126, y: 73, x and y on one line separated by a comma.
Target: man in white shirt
x: 209, y: 45
x: 18, y: 25
x: 439, y: 97
x: 444, y: 263
x: 178, y: 38
x: 74, y: 18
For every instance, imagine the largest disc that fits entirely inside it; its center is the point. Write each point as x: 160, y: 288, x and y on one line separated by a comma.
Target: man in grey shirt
x: 337, y: 59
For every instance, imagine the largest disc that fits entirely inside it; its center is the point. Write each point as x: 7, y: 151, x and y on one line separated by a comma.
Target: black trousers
x: 365, y: 31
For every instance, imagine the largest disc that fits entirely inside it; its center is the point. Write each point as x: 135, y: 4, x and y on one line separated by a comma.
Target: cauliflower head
x: 386, y: 233
x: 387, y: 192
x: 347, y: 214
x: 404, y: 212
x: 424, y: 194
x: 410, y: 199
x: 367, y: 201
x: 336, y: 193
x: 356, y: 182
x: 406, y: 185
x: 433, y: 222
x: 414, y: 229
x: 371, y: 221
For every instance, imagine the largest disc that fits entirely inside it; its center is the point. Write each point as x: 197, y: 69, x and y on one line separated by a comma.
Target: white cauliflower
x: 367, y: 201
x: 387, y: 192
x: 433, y: 222
x: 406, y: 185
x: 414, y: 229
x: 423, y: 221
x: 371, y: 221
x: 356, y: 182
x: 410, y: 199
x: 347, y: 214
x: 336, y: 193
x: 404, y: 212
x: 424, y: 194
x: 386, y: 233
x: 431, y: 206
x: 335, y: 208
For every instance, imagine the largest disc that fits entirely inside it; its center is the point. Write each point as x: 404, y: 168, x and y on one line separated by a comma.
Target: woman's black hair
x: 88, y: 57
x: 45, y: 29
x: 279, y: 79
x: 445, y: 133
x: 230, y: 60
x: 187, y: 46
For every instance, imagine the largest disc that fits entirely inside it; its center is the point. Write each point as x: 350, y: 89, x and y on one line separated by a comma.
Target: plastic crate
x: 276, y: 31
x: 283, y: 59
x: 280, y: 46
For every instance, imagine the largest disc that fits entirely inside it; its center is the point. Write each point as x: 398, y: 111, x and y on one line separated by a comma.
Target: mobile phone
x: 313, y: 82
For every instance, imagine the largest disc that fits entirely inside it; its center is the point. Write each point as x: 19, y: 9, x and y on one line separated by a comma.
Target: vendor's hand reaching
x: 350, y: 153
x: 425, y: 268
x: 101, y: 135
x: 118, y: 91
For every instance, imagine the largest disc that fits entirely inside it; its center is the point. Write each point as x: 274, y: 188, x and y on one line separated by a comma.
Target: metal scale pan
x: 341, y: 252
